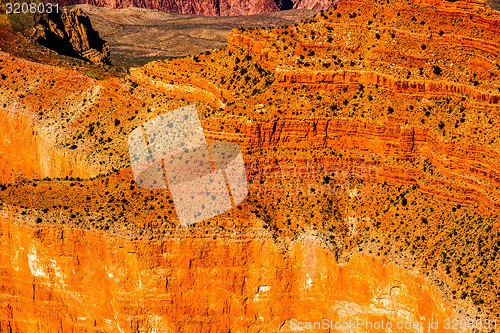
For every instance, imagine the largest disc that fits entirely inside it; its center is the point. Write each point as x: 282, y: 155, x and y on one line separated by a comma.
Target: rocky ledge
x: 70, y: 32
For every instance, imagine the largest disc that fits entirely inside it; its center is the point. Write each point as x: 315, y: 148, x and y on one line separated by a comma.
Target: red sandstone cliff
x: 212, y: 7
x: 70, y: 32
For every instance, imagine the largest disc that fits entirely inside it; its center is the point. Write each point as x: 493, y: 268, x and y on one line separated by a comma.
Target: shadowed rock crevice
x: 286, y: 4
x: 211, y: 7
x: 70, y: 33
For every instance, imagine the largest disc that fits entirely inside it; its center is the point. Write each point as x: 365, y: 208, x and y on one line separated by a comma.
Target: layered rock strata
x: 70, y: 32
x: 417, y: 239
x: 212, y: 8
x: 200, y: 281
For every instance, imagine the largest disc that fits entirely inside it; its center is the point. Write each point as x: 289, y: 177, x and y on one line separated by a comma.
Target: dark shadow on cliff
x: 286, y: 4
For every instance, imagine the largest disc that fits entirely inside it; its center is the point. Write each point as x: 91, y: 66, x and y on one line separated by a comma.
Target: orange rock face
x: 371, y: 142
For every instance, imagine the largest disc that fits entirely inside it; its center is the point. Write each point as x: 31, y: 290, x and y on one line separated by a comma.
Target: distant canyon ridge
x: 211, y: 7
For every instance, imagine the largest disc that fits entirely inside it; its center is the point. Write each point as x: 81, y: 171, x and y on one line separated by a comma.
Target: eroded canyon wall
x: 29, y: 146
x: 63, y: 279
x: 104, y: 255
x: 211, y: 7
